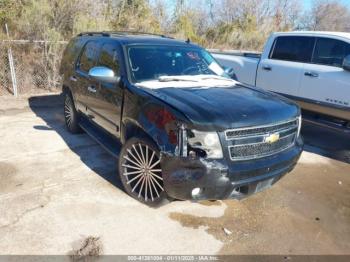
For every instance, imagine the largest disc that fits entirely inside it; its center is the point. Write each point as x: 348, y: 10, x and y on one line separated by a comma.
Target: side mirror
x: 346, y: 63
x: 230, y: 72
x: 103, y: 74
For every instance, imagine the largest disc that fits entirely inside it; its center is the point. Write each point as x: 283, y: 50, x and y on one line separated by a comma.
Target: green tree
x: 9, y: 12
x: 135, y: 15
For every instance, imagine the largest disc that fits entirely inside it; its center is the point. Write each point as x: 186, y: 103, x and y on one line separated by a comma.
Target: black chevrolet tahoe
x: 179, y: 126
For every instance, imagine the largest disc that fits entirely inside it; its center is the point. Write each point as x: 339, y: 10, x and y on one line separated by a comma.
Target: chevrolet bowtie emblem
x: 272, y: 138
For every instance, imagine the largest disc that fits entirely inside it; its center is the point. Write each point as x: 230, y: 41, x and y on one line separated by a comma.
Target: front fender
x: 156, y: 119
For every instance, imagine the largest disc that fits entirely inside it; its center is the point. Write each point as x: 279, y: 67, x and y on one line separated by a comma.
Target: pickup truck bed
x: 244, y: 64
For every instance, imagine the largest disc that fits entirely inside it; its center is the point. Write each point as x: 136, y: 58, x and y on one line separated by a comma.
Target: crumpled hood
x: 220, y: 108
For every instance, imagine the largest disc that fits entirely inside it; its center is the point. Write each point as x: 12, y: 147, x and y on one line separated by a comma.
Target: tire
x: 71, y: 116
x: 141, y: 173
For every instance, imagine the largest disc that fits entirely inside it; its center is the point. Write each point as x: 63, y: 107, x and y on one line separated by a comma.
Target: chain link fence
x: 5, y: 76
x: 35, y: 63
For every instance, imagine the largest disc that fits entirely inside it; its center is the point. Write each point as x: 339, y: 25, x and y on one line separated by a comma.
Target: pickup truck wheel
x: 71, y: 116
x: 140, y: 171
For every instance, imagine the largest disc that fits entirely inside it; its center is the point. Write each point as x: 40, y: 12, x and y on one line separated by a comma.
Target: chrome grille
x: 250, y: 143
x: 261, y: 149
x: 261, y: 130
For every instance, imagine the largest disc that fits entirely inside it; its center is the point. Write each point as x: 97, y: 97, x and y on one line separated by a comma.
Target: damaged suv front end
x: 234, y: 163
x: 217, y: 138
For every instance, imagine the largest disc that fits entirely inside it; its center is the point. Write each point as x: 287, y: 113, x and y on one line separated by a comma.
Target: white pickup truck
x: 312, y: 68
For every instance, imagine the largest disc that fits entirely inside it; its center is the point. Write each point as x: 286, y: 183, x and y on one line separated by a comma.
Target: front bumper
x: 222, y: 179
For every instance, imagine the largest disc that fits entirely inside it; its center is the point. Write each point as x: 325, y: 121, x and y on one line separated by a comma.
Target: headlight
x: 208, y: 142
x: 299, y: 125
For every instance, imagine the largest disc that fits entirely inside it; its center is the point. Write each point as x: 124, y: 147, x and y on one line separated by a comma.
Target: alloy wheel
x: 68, y: 111
x: 143, y: 173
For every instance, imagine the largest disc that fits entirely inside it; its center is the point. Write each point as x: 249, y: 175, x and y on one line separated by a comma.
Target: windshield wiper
x: 205, y: 77
x: 192, y: 78
x: 176, y: 78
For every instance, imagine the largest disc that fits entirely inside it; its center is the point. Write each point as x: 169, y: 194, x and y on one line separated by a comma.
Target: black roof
x: 126, y: 37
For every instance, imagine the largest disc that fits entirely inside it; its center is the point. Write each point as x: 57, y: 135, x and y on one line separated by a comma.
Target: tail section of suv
x: 179, y: 126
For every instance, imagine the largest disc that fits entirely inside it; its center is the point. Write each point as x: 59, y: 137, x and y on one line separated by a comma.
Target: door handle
x: 266, y: 68
x: 92, y: 89
x: 73, y: 78
x: 311, y: 74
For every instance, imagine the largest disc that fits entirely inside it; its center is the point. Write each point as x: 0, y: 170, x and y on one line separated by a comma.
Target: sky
x: 308, y: 3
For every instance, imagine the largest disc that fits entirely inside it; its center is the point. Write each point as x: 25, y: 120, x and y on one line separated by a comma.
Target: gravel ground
x: 60, y: 191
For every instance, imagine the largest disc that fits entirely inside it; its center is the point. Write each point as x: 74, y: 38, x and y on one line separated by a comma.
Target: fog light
x: 192, y: 154
x: 196, y: 191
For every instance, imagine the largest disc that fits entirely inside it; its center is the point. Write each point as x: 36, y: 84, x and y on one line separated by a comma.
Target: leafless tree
x: 329, y: 15
x: 282, y: 13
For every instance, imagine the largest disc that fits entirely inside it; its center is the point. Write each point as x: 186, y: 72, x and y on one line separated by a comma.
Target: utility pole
x: 12, y: 66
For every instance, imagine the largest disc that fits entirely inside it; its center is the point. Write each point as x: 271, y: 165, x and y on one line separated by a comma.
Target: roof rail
x: 109, y: 33
x: 136, y: 33
x: 94, y: 33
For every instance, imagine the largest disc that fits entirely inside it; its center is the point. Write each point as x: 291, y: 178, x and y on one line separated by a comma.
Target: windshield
x: 154, y: 62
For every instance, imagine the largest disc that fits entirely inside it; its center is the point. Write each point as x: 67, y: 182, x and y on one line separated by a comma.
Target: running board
x: 327, y: 124
x: 109, y: 143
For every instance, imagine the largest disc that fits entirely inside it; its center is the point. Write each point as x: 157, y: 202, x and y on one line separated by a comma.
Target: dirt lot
x: 58, y: 189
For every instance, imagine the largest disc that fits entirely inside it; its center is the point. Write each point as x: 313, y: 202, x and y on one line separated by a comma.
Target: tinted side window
x: 70, y: 54
x: 293, y: 48
x: 109, y: 57
x: 88, y: 57
x: 330, y: 52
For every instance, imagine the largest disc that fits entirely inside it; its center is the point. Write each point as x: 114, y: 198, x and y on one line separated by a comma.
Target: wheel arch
x: 131, y: 128
x: 66, y: 89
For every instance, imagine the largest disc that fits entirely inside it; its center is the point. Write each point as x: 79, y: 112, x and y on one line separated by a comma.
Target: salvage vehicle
x: 311, y: 68
x: 178, y: 125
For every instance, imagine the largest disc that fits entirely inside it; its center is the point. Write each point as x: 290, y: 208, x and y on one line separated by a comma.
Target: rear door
x: 281, y: 70
x: 106, y: 101
x: 324, y: 80
x: 84, y: 85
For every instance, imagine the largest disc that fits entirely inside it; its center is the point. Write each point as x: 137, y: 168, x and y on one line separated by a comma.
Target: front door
x: 281, y: 70
x: 84, y: 86
x: 106, y: 101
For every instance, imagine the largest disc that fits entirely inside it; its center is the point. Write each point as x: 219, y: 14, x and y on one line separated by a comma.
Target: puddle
x: 307, y: 212
x: 237, y: 218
